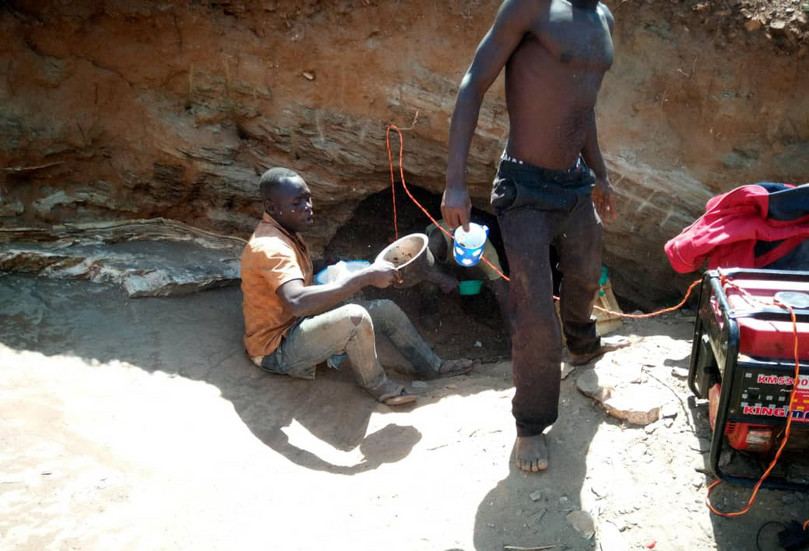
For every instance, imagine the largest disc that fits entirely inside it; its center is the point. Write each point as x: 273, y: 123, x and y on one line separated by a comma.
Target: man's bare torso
x: 552, y: 82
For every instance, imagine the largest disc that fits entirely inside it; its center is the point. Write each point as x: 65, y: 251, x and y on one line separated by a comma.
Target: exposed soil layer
x: 140, y: 110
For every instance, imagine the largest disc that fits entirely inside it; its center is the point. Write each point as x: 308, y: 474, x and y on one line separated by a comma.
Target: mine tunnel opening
x: 456, y: 325
x: 371, y: 227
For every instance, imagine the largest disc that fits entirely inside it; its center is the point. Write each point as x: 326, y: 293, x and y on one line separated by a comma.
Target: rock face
x: 145, y: 257
x: 124, y: 110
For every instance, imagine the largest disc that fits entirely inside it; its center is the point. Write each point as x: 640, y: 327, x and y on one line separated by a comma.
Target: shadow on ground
x: 531, y: 510
x: 199, y: 337
x: 648, y: 481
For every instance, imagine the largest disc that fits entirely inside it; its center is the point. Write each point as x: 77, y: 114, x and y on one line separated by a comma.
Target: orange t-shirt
x: 272, y: 257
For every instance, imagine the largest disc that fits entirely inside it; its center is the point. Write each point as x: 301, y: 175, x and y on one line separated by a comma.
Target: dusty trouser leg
x: 536, y: 342
x: 390, y: 321
x: 579, y: 242
x: 347, y: 329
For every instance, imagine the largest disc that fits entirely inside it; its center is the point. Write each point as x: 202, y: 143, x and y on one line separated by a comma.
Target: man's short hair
x: 271, y: 179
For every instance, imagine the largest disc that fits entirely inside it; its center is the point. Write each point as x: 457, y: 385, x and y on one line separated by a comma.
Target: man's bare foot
x: 608, y: 344
x: 532, y: 453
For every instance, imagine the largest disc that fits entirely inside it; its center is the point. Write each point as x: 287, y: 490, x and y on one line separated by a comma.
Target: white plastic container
x: 468, y: 246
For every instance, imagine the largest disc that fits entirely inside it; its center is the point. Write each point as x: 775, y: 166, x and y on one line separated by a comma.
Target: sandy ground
x: 139, y: 424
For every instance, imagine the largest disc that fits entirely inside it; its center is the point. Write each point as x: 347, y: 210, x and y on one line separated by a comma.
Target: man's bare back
x: 552, y: 81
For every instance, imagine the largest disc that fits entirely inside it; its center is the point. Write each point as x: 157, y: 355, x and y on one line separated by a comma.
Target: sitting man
x: 292, y: 325
x: 441, y: 246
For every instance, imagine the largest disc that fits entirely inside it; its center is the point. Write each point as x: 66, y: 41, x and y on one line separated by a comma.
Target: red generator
x: 743, y: 362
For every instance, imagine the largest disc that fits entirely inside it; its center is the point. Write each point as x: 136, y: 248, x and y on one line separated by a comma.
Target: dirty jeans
x: 538, y: 207
x: 351, y: 329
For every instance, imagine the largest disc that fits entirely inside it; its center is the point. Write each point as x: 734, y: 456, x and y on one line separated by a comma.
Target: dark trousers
x: 538, y: 207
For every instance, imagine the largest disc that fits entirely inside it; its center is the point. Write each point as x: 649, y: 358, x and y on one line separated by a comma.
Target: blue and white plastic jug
x: 468, y: 247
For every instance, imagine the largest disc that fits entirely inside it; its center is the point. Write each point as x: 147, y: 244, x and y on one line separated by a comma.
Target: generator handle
x: 696, y: 348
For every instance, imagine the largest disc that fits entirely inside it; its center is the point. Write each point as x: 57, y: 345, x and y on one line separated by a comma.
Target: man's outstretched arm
x: 310, y: 300
x: 513, y: 21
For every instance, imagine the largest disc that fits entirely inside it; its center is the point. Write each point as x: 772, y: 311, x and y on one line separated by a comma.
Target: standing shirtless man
x: 550, y: 182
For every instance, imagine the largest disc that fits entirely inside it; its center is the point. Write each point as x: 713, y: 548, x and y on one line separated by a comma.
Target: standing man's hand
x: 456, y: 207
x: 602, y: 197
x: 383, y: 274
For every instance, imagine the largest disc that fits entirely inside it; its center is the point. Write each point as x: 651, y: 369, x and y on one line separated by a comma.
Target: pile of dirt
x: 785, y: 23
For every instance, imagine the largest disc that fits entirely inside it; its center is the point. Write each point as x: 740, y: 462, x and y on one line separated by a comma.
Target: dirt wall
x: 138, y: 109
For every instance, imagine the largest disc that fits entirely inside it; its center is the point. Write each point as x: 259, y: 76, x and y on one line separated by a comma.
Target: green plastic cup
x: 470, y: 287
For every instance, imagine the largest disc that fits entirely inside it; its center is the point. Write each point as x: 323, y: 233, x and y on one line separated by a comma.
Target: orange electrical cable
x: 659, y: 312
x: 751, y: 501
x: 392, y: 180
x: 404, y: 185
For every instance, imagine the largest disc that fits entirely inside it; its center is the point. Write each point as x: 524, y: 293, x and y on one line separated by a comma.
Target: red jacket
x: 728, y: 231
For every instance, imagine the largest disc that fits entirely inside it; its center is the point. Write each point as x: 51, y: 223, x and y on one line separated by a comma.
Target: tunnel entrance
x: 456, y: 325
x: 371, y: 228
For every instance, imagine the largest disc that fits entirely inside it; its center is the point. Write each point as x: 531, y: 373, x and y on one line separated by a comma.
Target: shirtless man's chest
x: 553, y: 79
x: 577, y: 38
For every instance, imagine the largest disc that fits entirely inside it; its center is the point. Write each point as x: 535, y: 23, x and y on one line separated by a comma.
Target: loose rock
x: 582, y: 522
